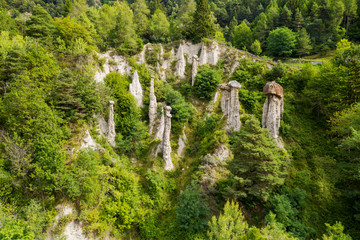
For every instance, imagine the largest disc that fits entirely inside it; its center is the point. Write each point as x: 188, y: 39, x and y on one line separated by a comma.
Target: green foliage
x: 24, y: 111
x: 281, y: 42
x: 335, y: 232
x: 243, y: 36
x: 288, y: 207
x: 159, y: 27
x: 229, y: 225
x: 255, y: 47
x: 203, y: 25
x: 258, y: 165
x: 76, y: 97
x: 192, y: 212
x: 206, y: 82
x: 303, y: 43
x: 40, y: 24
x: 123, y: 36
x: 181, y: 112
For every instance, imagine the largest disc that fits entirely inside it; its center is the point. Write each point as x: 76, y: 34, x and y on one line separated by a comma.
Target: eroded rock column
x: 181, y: 64
x: 166, y: 140
x: 230, y: 104
x: 136, y: 90
x: 203, y: 55
x: 273, y: 108
x: 152, y: 105
x: 111, y: 124
x: 195, y: 64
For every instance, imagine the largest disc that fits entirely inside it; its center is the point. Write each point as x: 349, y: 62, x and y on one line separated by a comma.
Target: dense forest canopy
x: 226, y: 183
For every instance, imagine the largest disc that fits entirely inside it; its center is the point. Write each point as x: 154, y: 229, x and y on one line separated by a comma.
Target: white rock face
x: 73, y: 230
x: 230, y: 104
x: 136, y: 90
x: 152, y: 105
x: 222, y: 153
x: 213, y: 54
x: 160, y: 129
x: 195, y: 64
x: 88, y: 142
x: 181, y: 144
x: 166, y: 140
x: 111, y: 125
x: 103, y: 125
x: 273, y: 110
x: 160, y: 72
x: 190, y: 50
x: 203, y: 55
x: 180, y: 64
x: 114, y: 63
x: 233, y: 68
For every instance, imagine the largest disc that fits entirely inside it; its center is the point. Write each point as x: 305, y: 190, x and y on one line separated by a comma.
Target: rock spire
x: 230, y: 104
x: 181, y: 63
x: 111, y: 124
x: 166, y: 147
x: 273, y: 108
x: 136, y: 90
x: 152, y: 105
x: 195, y: 64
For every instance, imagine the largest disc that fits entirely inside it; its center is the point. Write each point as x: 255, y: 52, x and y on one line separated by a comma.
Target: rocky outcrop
x: 88, y: 142
x: 111, y: 125
x: 73, y: 229
x: 152, y: 105
x: 230, y: 104
x: 136, y: 90
x: 210, y: 55
x: 180, y: 64
x: 195, y: 64
x: 113, y: 63
x: 190, y: 50
x: 160, y: 72
x: 166, y: 148
x: 181, y: 144
x: 273, y: 108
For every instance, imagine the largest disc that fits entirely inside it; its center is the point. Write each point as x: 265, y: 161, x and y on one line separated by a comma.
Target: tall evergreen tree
x: 203, y: 25
x: 303, y: 43
x: 40, y: 24
x: 298, y: 21
x: 286, y: 17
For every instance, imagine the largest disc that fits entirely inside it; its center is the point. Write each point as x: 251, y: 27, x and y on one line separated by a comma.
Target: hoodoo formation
x: 273, y: 108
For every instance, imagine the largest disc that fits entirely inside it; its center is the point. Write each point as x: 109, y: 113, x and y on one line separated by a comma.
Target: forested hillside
x: 179, y: 119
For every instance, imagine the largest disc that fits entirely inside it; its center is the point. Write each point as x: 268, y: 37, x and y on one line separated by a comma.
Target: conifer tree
x: 303, y: 43
x: 40, y: 24
x: 258, y: 165
x: 298, y: 21
x: 203, y: 25
x: 286, y: 17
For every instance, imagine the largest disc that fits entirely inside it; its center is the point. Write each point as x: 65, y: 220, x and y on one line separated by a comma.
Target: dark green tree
x: 286, y: 17
x: 40, y: 24
x: 281, y: 42
x: 203, y: 25
x: 192, y: 213
x: 258, y: 165
x: 298, y: 21
x: 303, y: 43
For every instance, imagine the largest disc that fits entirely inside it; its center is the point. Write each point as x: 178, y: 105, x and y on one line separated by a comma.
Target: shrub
x: 206, y: 82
